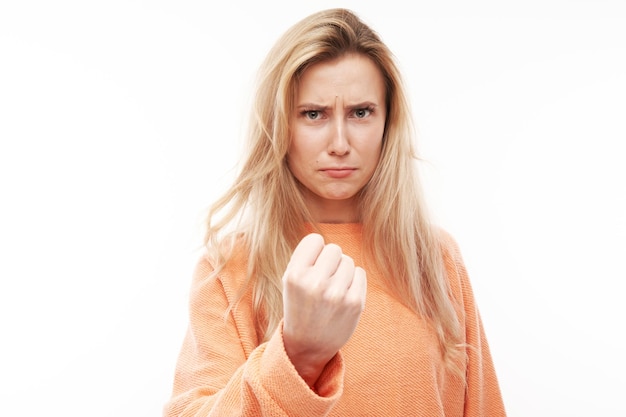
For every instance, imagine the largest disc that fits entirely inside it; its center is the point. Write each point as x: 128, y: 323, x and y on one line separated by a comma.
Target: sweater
x: 391, y: 366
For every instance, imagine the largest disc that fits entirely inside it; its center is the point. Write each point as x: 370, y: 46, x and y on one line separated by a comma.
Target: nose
x: 339, y: 144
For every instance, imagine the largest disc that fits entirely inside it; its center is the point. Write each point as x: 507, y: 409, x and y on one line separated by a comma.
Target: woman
x: 325, y: 290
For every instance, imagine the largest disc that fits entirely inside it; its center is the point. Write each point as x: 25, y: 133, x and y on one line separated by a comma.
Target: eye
x: 362, y: 113
x: 312, y: 114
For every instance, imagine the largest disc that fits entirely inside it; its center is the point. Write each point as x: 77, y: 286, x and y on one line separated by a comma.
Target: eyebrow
x: 359, y: 105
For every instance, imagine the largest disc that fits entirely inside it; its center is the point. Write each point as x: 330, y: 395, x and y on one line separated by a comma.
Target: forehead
x: 352, y: 76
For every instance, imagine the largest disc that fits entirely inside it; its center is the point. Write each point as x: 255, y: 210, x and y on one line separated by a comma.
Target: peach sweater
x: 391, y: 366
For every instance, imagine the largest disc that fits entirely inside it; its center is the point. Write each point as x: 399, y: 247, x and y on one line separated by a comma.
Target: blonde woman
x: 325, y: 290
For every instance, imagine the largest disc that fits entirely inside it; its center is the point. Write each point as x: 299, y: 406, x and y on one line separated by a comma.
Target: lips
x: 338, y: 172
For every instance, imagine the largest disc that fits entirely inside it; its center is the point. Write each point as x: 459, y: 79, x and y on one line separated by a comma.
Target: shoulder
x: 454, y: 266
x: 449, y: 246
x: 223, y: 266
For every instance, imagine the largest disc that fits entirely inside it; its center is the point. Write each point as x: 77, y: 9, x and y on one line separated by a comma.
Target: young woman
x: 325, y: 290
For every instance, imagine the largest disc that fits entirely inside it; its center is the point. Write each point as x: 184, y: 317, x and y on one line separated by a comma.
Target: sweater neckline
x: 335, y: 229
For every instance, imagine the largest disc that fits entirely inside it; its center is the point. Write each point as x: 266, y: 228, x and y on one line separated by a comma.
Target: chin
x: 339, y: 196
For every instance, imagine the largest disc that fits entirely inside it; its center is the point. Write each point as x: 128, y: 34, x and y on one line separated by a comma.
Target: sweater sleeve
x: 482, y: 396
x: 221, y: 371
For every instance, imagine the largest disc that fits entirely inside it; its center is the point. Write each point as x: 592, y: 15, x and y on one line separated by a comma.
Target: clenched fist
x: 323, y: 297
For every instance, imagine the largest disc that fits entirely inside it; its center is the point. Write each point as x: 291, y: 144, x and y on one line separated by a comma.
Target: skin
x: 337, y: 126
x: 338, y: 122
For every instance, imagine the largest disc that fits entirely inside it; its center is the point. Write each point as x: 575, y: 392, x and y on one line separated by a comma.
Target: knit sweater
x: 391, y: 366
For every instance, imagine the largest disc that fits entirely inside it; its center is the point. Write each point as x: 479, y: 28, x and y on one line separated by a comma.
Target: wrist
x: 308, y: 364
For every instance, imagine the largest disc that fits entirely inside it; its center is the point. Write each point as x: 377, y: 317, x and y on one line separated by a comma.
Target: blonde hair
x: 264, y: 207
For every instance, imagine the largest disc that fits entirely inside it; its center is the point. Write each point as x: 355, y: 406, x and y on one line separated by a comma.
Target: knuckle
x: 348, y: 261
x: 355, y: 304
x: 313, y: 241
x: 332, y: 296
x: 291, y: 276
x: 334, y: 249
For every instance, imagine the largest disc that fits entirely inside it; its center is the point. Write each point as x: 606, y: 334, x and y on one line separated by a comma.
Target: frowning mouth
x: 338, y: 172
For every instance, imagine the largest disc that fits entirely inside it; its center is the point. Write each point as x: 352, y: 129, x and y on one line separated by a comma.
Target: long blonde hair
x: 264, y: 206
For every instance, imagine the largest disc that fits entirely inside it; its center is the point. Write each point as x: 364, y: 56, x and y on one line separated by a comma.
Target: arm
x: 222, y: 372
x: 482, y: 396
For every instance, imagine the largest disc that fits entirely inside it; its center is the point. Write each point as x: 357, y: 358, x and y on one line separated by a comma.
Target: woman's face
x: 337, y: 128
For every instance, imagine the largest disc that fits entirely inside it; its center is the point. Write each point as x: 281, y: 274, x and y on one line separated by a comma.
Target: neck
x: 335, y: 211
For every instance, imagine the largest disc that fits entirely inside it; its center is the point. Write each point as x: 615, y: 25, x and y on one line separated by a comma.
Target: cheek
x: 374, y: 152
x: 302, y: 151
x: 295, y: 161
x: 373, y: 159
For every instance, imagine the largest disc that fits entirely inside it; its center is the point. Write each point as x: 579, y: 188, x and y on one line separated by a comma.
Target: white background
x: 121, y: 120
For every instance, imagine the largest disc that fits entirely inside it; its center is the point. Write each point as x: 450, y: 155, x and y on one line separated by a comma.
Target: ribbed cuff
x: 289, y: 390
